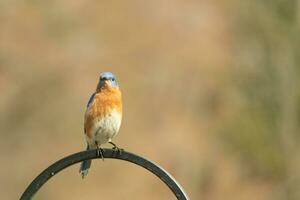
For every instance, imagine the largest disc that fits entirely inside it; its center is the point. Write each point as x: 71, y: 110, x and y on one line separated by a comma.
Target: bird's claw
x: 100, y: 153
x: 118, y: 150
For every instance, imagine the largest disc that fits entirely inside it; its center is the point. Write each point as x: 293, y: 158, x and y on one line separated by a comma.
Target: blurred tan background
x: 210, y: 88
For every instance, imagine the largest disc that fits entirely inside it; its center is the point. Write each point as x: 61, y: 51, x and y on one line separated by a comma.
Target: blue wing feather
x: 91, y: 99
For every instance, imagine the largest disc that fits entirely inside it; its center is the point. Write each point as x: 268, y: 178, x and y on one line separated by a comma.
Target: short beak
x: 107, y: 82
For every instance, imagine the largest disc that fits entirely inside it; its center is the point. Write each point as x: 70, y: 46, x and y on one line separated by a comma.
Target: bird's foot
x: 100, y: 153
x: 116, y: 148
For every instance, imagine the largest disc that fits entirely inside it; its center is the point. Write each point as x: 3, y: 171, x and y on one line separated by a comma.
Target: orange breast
x: 105, y: 101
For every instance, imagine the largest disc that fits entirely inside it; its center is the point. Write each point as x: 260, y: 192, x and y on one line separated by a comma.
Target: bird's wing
x: 88, y: 104
x: 91, y: 99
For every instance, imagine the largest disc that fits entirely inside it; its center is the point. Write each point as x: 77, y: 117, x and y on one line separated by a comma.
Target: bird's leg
x: 99, y: 151
x: 116, y: 148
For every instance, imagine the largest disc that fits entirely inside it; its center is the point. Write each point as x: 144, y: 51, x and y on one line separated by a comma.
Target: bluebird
x: 103, y: 116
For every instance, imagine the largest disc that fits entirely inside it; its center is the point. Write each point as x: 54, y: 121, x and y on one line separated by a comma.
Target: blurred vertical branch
x: 269, y: 43
x: 288, y: 127
x: 285, y: 61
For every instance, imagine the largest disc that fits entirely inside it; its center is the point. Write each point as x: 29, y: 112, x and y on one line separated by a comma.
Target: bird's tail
x: 85, y: 166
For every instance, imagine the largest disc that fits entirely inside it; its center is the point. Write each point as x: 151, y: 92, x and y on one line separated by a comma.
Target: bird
x: 103, y: 116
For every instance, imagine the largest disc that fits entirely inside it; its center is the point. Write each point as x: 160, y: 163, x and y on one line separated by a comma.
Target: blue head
x: 107, y: 79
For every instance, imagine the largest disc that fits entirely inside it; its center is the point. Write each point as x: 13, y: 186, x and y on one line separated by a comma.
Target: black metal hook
x: 58, y: 166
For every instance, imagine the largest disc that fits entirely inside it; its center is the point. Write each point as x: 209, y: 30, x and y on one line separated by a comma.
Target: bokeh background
x: 210, y: 91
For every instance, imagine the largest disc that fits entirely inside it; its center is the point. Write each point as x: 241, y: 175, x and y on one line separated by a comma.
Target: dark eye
x: 113, y: 79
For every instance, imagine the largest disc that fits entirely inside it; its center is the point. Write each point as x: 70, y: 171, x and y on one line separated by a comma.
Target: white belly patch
x: 105, y: 128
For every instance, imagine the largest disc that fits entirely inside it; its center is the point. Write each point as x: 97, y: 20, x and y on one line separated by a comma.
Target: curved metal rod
x: 58, y: 166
